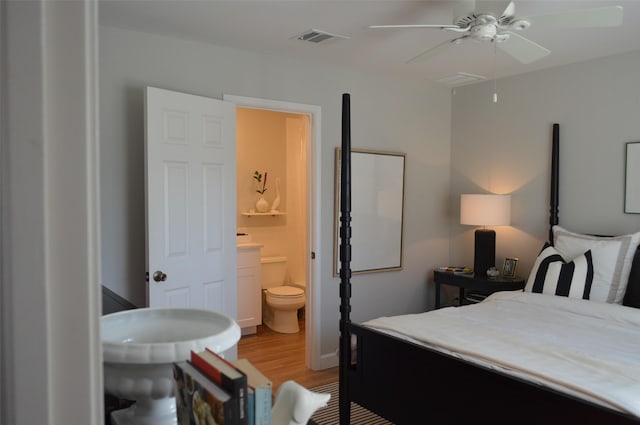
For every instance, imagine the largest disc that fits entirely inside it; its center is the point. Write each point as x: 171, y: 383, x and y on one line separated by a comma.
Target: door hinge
x: 146, y: 277
x: 313, y: 255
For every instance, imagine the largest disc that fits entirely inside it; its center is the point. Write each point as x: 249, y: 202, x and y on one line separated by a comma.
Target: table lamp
x: 485, y: 210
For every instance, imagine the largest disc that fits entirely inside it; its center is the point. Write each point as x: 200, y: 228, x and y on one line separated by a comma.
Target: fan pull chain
x: 495, y: 88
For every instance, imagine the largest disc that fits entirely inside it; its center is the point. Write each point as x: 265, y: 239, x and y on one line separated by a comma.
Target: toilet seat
x: 285, y: 292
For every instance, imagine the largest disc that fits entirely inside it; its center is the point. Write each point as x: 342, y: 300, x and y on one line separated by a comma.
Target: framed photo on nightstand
x: 509, y: 268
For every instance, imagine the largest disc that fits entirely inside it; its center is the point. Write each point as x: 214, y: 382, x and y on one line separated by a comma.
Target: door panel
x: 191, y: 221
x: 175, y: 178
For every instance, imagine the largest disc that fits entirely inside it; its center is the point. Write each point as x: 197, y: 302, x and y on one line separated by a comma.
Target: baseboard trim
x: 328, y: 360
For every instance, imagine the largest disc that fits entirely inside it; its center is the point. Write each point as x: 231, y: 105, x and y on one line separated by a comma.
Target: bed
x: 542, y: 358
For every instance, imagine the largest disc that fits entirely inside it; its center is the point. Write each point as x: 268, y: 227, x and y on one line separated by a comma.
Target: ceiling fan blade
x: 436, y: 50
x: 496, y: 8
x: 599, y: 17
x: 412, y: 26
x: 523, y: 49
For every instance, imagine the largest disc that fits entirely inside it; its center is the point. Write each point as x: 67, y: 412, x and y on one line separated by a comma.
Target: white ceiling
x: 271, y: 27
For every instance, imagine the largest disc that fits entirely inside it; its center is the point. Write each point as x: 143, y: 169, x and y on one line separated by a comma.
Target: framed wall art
x: 377, y: 210
x: 632, y: 178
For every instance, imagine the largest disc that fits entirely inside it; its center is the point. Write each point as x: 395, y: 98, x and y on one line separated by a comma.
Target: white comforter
x: 585, y: 348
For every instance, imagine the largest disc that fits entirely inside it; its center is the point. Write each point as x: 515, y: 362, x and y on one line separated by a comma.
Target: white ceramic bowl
x: 139, y: 347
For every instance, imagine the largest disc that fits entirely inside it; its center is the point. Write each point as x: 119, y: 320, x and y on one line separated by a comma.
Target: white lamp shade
x: 485, y: 210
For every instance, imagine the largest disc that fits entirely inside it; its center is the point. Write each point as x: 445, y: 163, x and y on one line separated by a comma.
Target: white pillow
x: 551, y: 274
x: 612, y: 258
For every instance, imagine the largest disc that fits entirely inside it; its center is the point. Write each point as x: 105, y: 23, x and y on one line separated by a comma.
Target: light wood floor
x: 281, y: 357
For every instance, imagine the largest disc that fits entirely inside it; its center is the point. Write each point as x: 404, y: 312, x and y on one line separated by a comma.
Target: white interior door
x: 191, y: 201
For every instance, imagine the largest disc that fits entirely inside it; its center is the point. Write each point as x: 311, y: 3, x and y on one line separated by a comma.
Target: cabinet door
x: 249, y: 287
x: 249, y: 297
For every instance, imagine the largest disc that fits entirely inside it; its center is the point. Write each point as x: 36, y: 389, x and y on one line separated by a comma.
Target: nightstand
x: 479, y: 285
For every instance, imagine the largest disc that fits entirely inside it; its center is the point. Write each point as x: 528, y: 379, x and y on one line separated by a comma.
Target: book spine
x: 238, y: 390
x: 236, y: 387
x: 263, y: 406
x: 229, y: 417
x: 230, y: 414
x: 241, y: 391
x: 251, y: 408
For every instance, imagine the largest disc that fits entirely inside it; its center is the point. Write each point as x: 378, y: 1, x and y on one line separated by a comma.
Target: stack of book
x: 456, y: 269
x: 259, y: 391
x: 211, y: 390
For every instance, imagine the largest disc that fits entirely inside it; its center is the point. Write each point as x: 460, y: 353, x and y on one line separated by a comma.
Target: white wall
x: 261, y: 145
x: 505, y: 148
x: 276, y: 142
x: 387, y: 114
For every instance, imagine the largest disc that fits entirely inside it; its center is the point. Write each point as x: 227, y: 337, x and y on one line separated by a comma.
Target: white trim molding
x: 51, y: 347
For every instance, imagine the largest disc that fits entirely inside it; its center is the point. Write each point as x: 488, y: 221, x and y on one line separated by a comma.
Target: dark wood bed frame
x: 410, y: 384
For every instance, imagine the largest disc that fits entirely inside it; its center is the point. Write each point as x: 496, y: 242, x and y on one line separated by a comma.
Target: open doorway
x: 301, y: 123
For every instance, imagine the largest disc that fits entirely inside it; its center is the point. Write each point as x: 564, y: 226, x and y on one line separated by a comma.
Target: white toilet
x: 280, y: 302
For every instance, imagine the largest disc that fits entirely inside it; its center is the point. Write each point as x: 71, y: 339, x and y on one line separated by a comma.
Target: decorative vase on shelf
x: 262, y: 205
x: 276, y: 202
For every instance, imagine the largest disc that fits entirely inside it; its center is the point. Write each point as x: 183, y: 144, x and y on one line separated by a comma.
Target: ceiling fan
x: 495, y: 21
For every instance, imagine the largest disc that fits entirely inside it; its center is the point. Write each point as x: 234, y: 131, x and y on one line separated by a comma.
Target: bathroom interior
x: 272, y: 238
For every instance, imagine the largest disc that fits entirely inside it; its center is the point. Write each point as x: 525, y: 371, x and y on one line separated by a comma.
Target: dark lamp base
x: 484, y: 256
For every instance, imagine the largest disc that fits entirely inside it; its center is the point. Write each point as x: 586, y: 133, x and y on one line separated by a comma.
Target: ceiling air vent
x: 460, y: 78
x: 317, y: 36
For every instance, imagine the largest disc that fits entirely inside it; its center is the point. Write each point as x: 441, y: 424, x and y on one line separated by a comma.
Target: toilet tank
x: 273, y: 271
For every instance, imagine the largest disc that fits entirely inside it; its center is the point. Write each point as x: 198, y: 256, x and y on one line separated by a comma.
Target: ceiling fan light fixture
x: 485, y: 32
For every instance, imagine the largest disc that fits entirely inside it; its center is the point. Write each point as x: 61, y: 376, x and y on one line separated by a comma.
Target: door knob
x: 159, y: 276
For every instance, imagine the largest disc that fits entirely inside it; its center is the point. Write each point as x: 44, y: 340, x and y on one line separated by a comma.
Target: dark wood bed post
x: 555, y: 176
x: 345, y: 261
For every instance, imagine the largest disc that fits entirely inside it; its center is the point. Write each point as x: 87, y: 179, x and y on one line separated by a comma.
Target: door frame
x: 313, y: 357
x: 50, y: 219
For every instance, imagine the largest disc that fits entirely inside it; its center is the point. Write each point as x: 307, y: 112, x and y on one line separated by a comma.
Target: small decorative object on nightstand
x: 493, y: 272
x: 509, y: 268
x: 481, y: 287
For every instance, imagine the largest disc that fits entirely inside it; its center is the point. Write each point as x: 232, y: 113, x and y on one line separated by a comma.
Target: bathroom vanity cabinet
x: 249, y: 287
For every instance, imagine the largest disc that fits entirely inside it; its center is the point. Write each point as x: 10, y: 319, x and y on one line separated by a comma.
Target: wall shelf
x: 271, y: 213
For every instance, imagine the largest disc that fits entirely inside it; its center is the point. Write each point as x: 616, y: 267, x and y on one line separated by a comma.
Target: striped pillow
x: 551, y: 274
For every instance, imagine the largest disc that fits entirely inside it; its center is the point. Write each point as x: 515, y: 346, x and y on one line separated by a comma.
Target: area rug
x: 330, y: 415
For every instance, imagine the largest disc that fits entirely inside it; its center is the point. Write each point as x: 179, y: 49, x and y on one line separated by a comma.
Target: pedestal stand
x: 147, y: 412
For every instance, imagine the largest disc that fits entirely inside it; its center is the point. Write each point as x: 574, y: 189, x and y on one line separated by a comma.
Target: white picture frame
x: 632, y: 178
x: 377, y: 211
